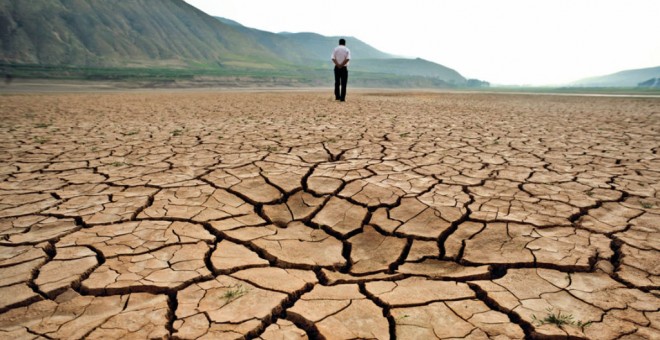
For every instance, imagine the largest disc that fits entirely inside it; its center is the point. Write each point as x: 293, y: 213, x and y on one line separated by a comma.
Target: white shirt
x: 341, y: 53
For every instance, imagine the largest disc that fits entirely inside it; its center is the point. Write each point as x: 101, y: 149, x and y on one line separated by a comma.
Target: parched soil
x: 285, y: 215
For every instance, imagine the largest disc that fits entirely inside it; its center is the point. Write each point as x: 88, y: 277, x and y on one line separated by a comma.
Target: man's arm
x: 342, y: 65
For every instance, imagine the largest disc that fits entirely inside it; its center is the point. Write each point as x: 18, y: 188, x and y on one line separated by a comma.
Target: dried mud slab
x: 100, y: 209
x: 328, y: 178
x: 198, y: 203
x: 234, y: 306
x: 230, y: 256
x: 133, y: 238
x: 295, y: 245
x: 246, y: 181
x: 283, y: 329
x: 271, y: 215
x: 417, y: 291
x: 25, y: 204
x: 341, y: 216
x: 65, y: 270
x: 519, y: 244
x: 298, y: 207
x: 373, y: 252
x: 427, y: 216
x: 609, y: 218
x: 641, y: 268
x: 17, y: 268
x: 72, y: 316
x: 33, y: 229
x: 163, y: 270
x: 502, y: 200
x: 340, y: 312
x: 454, y: 319
x: 593, y: 304
x: 444, y: 270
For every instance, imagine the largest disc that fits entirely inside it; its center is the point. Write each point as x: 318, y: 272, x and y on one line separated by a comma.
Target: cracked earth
x: 289, y: 216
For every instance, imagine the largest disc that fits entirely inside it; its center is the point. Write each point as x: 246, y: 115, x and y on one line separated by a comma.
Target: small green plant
x: 40, y: 139
x: 271, y: 149
x: 42, y: 125
x: 118, y: 164
x: 131, y: 133
x: 559, y: 320
x: 583, y: 325
x: 590, y: 193
x: 402, y: 317
x: 405, y: 134
x: 646, y: 205
x: 234, y: 292
x: 332, y: 140
x: 177, y: 132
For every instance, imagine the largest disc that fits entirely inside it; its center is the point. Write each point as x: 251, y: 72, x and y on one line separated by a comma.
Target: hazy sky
x: 539, y: 42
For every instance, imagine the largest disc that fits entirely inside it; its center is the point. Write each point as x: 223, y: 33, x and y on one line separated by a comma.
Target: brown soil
x: 282, y: 215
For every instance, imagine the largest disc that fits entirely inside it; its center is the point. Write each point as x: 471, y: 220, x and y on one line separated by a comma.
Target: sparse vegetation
x: 401, y: 318
x: 177, y: 132
x: 646, y: 205
x: 234, y: 293
x: 559, y: 320
x: 40, y: 140
x: 405, y: 134
x: 118, y: 164
x: 42, y: 125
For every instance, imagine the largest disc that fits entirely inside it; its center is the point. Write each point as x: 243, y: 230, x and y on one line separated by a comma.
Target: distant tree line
x: 477, y: 83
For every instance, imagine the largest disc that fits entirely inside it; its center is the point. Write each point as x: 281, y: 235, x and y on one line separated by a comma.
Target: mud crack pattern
x: 267, y: 215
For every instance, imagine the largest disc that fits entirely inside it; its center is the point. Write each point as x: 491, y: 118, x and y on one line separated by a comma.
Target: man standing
x: 341, y: 56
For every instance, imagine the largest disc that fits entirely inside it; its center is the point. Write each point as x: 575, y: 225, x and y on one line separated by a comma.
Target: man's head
x: 342, y: 41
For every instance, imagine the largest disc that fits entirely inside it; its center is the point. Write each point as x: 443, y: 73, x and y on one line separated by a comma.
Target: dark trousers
x: 341, y: 78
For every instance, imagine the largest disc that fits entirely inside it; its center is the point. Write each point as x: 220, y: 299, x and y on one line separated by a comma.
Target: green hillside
x: 306, y: 46
x: 412, y: 67
x: 628, y: 78
x: 314, y: 50
x: 119, y: 33
x: 112, y: 39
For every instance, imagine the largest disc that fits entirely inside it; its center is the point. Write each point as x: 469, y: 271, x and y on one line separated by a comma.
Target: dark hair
x: 342, y: 41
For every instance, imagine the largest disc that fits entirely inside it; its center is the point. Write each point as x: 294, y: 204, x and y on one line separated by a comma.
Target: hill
x: 170, y: 38
x: 653, y: 83
x: 119, y: 33
x: 628, y: 78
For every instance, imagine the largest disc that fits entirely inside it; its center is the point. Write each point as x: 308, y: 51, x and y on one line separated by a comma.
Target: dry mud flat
x: 289, y: 215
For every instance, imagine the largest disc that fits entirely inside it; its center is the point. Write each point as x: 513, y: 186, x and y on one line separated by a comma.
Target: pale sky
x: 533, y: 42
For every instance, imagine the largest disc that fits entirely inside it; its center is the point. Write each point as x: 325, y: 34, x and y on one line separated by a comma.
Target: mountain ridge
x: 174, y: 34
x: 625, y: 78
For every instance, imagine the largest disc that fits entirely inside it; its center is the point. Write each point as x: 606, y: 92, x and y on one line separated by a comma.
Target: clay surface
x: 287, y: 215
